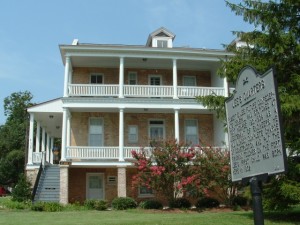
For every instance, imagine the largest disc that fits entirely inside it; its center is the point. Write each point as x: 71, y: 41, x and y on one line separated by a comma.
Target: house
x: 116, y: 99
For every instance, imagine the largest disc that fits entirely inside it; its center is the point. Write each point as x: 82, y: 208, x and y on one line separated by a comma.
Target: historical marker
x: 254, y: 128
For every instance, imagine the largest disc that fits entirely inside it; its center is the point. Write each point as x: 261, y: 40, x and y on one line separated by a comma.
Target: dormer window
x: 161, y: 38
x: 162, y: 43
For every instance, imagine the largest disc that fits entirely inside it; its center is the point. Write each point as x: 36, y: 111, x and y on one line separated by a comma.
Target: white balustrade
x: 192, y: 92
x: 37, y: 157
x: 148, y: 91
x: 77, y: 152
x: 93, y: 90
x: 142, y: 90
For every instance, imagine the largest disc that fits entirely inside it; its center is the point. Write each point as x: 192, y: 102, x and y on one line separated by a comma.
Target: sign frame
x: 246, y: 126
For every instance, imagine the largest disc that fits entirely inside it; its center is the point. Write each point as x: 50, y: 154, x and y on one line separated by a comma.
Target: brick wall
x: 77, y: 183
x: 80, y: 121
x: 111, y: 75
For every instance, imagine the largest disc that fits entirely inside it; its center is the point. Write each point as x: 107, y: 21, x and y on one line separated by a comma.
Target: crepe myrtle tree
x: 173, y: 169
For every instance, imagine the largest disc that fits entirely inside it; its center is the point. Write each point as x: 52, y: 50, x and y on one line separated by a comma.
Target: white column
x: 37, y: 137
x: 121, y: 135
x: 48, y: 148
x: 30, y: 141
x: 226, y: 87
x: 175, y: 96
x: 43, y: 139
x: 68, y: 129
x: 51, y: 148
x: 64, y: 134
x: 67, y: 74
x: 176, y: 125
x: 121, y: 78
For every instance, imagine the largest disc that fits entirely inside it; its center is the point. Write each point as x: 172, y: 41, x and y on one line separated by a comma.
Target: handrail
x: 37, y: 180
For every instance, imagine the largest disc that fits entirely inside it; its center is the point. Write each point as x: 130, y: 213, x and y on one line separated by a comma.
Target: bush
x: 122, y: 203
x: 207, y: 202
x: 151, y: 204
x: 22, y: 191
x: 180, y: 203
x: 95, y: 204
x: 47, y: 207
x: 239, y: 200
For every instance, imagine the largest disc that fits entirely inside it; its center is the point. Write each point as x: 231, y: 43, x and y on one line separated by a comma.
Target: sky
x: 32, y: 30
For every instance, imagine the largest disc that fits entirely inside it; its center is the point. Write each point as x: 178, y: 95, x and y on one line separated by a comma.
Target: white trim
x: 87, y: 184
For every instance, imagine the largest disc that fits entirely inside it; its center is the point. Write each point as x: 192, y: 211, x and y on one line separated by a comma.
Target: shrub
x: 122, y: 203
x: 239, y: 200
x: 207, y: 202
x: 95, y: 204
x: 151, y: 204
x: 180, y: 203
x: 21, y: 192
x: 47, y: 206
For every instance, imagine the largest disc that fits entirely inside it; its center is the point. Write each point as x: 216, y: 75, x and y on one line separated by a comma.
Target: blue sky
x: 31, y: 30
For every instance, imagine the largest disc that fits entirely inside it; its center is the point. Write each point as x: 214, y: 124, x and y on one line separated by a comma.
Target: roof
x: 160, y: 32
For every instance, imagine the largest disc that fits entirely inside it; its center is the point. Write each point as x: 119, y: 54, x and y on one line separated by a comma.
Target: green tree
x: 13, y: 136
x: 274, y: 42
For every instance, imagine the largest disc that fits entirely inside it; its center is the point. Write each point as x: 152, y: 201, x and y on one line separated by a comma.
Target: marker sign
x: 253, y: 119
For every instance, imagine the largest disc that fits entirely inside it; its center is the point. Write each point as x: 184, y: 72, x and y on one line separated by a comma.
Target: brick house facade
x: 117, y: 98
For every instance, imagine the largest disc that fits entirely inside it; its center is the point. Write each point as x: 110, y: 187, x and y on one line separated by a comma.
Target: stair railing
x: 37, y: 180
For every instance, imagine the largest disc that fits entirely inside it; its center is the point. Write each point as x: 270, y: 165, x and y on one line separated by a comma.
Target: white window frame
x: 136, y: 134
x: 102, y: 138
x: 195, y: 80
x: 185, y: 131
x: 167, y: 39
x: 132, y: 73
x: 97, y: 74
x: 155, y: 76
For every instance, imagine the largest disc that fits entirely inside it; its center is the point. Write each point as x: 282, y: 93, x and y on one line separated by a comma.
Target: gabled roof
x: 160, y: 32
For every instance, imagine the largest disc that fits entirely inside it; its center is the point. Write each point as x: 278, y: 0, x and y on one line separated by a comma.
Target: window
x: 96, y: 79
x: 132, y: 134
x: 189, y: 81
x: 96, y: 132
x: 191, y: 132
x: 156, y: 130
x: 145, y: 192
x: 162, y: 43
x: 132, y: 78
x: 155, y: 80
x: 111, y: 180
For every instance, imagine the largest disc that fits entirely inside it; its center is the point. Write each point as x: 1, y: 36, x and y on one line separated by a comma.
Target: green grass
x: 144, y: 217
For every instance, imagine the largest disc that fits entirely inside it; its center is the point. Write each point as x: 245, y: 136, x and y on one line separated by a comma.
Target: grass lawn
x: 136, y: 216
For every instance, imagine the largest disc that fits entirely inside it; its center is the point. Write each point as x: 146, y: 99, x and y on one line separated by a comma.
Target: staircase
x: 48, y: 187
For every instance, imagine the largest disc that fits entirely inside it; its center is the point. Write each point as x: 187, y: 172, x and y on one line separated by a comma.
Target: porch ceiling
x: 147, y: 63
x: 52, y: 122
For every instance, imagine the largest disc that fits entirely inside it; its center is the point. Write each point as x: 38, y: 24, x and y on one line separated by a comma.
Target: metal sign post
x: 254, y: 130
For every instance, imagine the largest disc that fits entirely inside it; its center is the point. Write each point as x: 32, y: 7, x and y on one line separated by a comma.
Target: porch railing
x: 93, y: 90
x: 75, y: 152
x: 37, y: 157
x: 85, y: 152
x: 142, y: 91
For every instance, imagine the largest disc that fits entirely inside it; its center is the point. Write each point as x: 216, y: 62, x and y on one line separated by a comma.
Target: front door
x: 95, y: 186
